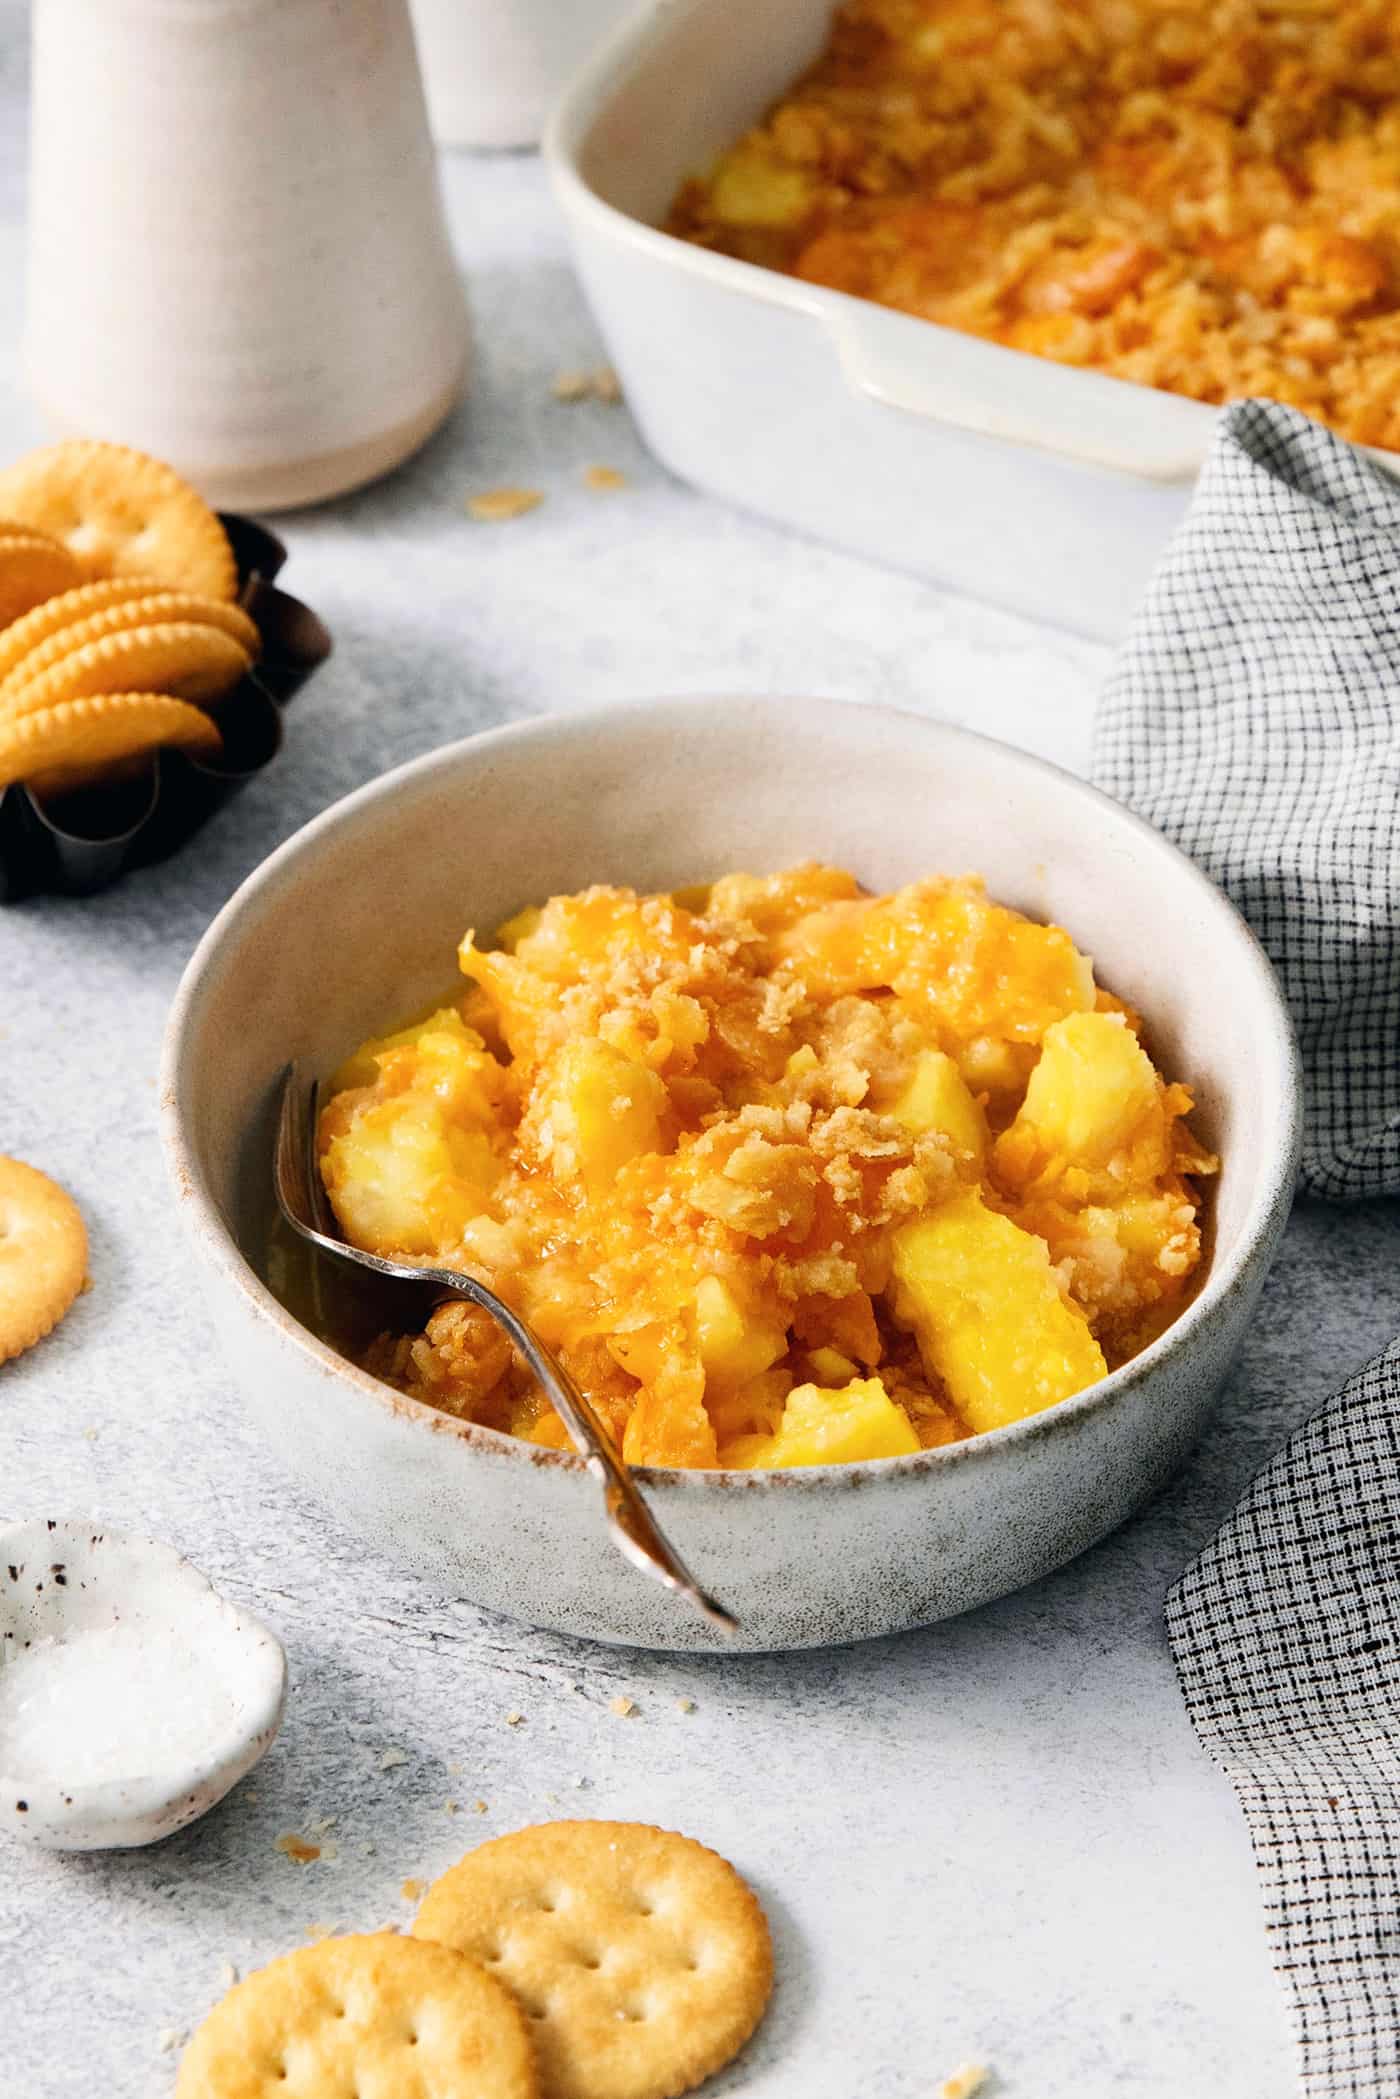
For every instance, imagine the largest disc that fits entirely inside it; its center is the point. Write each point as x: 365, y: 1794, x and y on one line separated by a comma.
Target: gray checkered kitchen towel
x: 1254, y: 716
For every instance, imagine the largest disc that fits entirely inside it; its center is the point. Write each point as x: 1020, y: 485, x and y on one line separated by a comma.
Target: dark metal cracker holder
x: 75, y: 844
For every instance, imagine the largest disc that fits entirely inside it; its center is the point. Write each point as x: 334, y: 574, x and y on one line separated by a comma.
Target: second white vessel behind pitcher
x: 238, y: 257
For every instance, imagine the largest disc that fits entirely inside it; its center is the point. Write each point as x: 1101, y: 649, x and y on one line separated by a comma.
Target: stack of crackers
x: 118, y: 627
x: 575, y: 1960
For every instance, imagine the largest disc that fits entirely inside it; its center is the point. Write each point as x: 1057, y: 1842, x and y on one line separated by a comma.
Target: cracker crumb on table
x: 601, y: 384
x: 604, y: 478
x: 296, y: 1848
x: 623, y: 1707
x: 966, y: 2081
x: 496, y: 506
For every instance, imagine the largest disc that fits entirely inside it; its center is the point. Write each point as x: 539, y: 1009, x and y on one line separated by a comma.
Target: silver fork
x: 301, y: 1196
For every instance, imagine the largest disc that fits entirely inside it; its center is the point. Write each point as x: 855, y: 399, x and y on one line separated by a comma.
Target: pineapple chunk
x: 732, y: 1348
x: 510, y: 934
x: 1092, y: 1094
x: 408, y: 1155
x: 668, y: 1424
x: 996, y: 1068
x: 402, y: 1179
x: 602, y: 1109
x: 753, y: 187
x: 937, y: 1098
x: 832, y: 1367
x: 989, y: 1315
x: 362, y: 1069
x: 825, y: 1427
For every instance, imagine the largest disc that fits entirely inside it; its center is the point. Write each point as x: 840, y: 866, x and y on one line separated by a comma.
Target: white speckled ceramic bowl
x: 355, y: 921
x: 60, y: 1581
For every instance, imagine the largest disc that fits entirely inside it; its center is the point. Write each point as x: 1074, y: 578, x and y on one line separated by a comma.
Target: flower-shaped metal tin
x: 79, y: 843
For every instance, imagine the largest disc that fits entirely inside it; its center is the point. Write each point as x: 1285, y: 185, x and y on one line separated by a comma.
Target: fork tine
x: 289, y: 1154
x: 321, y: 1214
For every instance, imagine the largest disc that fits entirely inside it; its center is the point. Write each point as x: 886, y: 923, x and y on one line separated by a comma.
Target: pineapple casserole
x: 1200, y: 195
x: 786, y: 1173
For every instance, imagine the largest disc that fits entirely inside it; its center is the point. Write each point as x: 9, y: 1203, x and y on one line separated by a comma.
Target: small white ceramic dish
x: 1009, y: 476
x: 355, y: 921
x: 132, y: 1695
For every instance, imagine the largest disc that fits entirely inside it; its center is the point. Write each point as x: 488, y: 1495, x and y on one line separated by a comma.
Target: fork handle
x: 634, y: 1529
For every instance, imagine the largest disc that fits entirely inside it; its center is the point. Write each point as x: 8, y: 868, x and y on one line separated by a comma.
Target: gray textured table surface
x: 994, y: 1839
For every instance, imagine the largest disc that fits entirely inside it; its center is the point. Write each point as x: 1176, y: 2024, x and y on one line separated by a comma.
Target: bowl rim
x: 1272, y: 1193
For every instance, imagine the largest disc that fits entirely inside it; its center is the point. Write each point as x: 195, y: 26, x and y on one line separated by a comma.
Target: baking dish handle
x: 943, y: 376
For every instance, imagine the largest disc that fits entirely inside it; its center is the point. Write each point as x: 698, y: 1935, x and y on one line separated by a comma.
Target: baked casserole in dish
x: 1203, y: 197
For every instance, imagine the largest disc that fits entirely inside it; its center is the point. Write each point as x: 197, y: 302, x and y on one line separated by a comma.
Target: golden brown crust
x: 43, y: 1255
x: 375, y: 2013
x: 641, y: 1958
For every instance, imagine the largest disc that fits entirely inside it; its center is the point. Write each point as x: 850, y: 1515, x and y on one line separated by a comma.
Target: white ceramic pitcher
x: 238, y: 257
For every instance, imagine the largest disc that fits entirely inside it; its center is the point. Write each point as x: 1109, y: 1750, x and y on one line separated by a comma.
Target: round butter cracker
x: 152, y: 611
x: 120, y: 512
x: 73, y: 613
x: 70, y: 746
x: 641, y: 1958
x: 32, y: 568
x: 43, y: 1255
x: 377, y: 2015
x: 184, y: 658
x: 15, y: 528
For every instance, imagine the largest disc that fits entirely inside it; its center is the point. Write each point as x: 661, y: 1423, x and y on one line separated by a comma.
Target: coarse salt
x: 112, y: 1704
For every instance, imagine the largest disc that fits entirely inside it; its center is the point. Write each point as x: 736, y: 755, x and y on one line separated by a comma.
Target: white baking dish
x: 1005, y: 475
